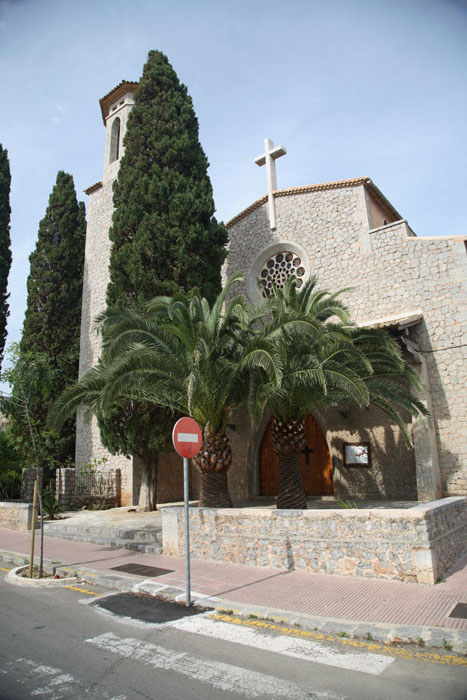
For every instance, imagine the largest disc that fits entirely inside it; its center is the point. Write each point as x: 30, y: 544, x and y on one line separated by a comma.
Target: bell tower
x: 115, y: 109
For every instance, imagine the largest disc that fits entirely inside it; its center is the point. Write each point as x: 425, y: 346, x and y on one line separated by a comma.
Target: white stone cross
x: 269, y: 156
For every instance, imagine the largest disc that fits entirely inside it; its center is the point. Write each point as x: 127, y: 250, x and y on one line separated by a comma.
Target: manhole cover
x: 142, y: 570
x: 145, y: 608
x: 459, y: 610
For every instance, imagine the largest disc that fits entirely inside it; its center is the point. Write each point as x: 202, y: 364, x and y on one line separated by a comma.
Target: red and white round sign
x: 186, y: 437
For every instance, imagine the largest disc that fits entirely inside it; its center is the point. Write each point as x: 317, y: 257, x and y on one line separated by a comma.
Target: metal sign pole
x: 187, y: 439
x: 187, y: 532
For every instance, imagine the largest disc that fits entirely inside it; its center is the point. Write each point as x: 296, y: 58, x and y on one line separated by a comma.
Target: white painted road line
x: 50, y: 682
x: 219, y: 675
x: 304, y: 649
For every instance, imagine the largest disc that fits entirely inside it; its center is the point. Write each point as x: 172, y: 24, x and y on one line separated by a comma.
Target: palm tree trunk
x: 148, y: 490
x: 291, y: 492
x: 213, y: 462
x: 214, y: 490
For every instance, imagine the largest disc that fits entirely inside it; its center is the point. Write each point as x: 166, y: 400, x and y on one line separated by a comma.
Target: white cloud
x: 61, y: 109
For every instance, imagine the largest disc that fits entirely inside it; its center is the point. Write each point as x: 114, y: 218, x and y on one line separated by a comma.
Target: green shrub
x: 10, y: 468
x: 50, y: 504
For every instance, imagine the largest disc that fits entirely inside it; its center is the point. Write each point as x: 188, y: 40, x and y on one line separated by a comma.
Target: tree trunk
x: 291, y: 492
x: 148, y: 490
x: 214, y: 490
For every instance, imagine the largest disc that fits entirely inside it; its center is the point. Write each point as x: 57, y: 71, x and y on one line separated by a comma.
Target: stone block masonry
x: 28, y: 477
x: 416, y: 544
x: 15, y: 516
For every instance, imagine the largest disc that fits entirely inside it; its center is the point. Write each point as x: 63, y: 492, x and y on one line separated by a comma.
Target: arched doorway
x: 315, y: 461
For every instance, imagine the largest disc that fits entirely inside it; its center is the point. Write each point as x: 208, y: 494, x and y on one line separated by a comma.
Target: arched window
x: 115, y: 140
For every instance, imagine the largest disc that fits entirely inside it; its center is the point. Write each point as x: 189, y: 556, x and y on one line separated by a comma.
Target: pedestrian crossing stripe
x: 304, y: 650
x: 219, y: 675
x: 372, y: 646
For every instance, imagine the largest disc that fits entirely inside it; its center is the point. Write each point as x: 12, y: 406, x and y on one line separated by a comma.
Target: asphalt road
x: 56, y: 645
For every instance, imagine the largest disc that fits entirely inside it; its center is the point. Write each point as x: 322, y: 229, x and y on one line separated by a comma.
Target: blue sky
x: 349, y: 87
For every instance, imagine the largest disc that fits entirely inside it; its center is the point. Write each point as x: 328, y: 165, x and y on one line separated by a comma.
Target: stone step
x: 154, y: 547
x: 146, y: 539
x: 149, y: 533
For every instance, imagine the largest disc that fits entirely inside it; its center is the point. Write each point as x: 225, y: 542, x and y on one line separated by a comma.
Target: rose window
x: 278, y: 268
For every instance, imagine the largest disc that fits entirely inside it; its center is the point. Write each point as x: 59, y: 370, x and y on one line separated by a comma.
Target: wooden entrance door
x: 315, y: 462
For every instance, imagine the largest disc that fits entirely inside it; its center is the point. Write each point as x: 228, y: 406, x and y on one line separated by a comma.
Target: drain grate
x: 460, y: 611
x: 142, y: 570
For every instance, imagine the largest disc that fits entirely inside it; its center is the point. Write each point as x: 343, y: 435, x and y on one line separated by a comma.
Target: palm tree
x: 185, y: 355
x: 324, y: 360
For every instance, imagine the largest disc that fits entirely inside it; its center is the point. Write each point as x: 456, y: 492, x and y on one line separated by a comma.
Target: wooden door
x: 315, y: 462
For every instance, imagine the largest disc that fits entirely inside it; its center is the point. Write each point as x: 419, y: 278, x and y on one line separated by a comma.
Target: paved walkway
x: 385, y: 609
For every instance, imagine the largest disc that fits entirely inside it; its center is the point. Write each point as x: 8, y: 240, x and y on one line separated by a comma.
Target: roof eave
x: 123, y: 87
x: 339, y: 184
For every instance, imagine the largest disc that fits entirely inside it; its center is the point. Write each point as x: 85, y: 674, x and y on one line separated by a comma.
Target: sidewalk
x: 386, y: 610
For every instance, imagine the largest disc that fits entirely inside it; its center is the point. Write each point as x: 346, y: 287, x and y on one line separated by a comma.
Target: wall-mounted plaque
x: 357, y: 454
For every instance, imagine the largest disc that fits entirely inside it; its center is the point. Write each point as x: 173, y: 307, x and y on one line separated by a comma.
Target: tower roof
x: 112, y: 96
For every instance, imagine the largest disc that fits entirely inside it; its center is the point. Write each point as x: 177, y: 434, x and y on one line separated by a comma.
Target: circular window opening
x: 273, y: 265
x: 278, y: 269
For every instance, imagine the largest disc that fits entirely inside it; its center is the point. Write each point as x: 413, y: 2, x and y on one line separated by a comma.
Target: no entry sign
x: 186, y: 437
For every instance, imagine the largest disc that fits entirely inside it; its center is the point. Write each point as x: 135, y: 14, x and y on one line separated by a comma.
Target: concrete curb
x: 425, y: 637
x: 14, y: 577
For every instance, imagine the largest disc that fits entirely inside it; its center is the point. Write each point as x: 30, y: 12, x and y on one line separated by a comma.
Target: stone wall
x: 392, y: 473
x: 89, y: 448
x: 15, y: 516
x: 416, y: 544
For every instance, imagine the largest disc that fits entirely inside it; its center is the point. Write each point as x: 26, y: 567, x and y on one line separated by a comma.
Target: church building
x: 346, y: 234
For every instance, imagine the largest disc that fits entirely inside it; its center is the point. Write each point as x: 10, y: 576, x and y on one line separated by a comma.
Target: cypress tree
x: 5, y: 244
x: 51, y: 328
x: 164, y: 238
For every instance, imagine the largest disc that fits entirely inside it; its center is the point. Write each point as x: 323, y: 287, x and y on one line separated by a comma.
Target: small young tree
x: 5, y: 244
x: 164, y: 236
x: 53, y: 313
x: 30, y: 376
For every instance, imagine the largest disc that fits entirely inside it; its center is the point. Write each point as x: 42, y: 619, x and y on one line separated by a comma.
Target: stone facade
x: 416, y: 544
x: 348, y: 235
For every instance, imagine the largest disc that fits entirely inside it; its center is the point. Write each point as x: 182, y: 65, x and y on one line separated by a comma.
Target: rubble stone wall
x: 416, y: 544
